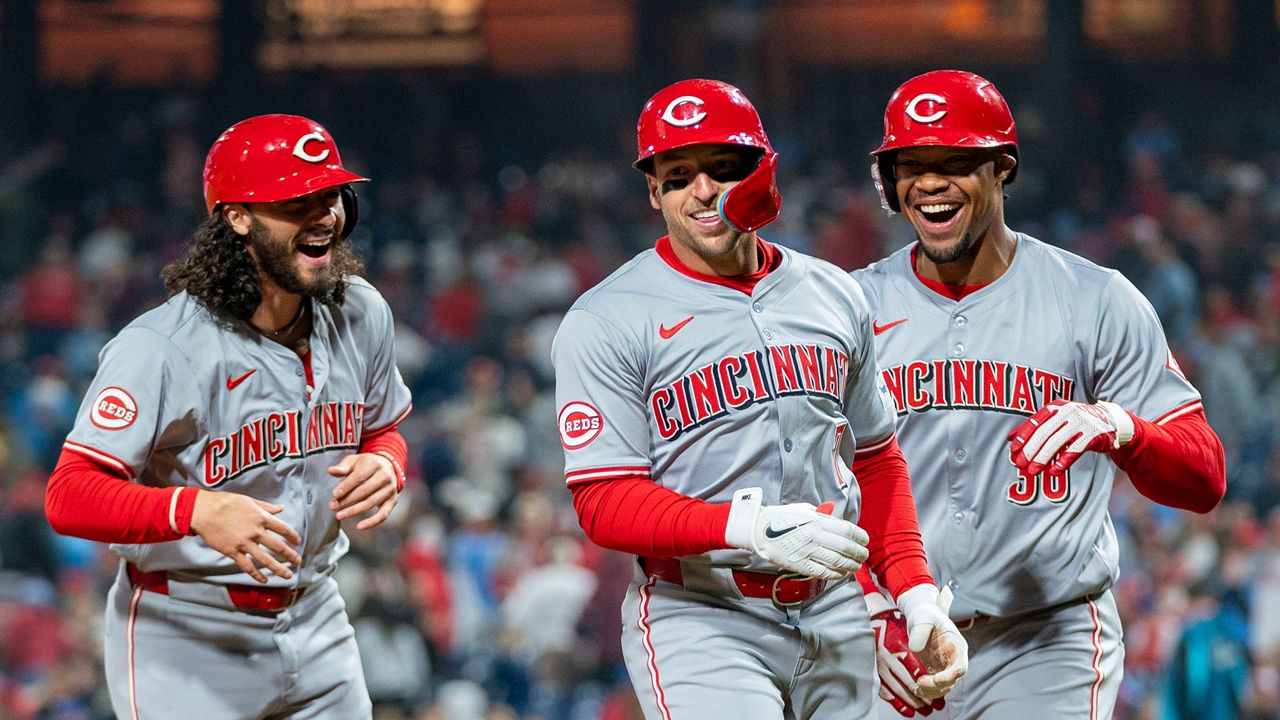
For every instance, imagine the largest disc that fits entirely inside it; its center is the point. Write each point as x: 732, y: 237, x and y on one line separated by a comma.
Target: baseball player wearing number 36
x: 1023, y: 377
x: 713, y: 392
x: 227, y: 433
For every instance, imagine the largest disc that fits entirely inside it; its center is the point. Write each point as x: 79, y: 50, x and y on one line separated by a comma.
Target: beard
x: 950, y: 254
x: 276, y: 261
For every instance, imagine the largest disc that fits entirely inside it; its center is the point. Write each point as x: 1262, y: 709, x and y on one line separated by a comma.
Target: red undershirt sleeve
x: 889, y: 517
x: 390, y: 444
x: 636, y: 516
x: 88, y: 500
x: 1179, y: 463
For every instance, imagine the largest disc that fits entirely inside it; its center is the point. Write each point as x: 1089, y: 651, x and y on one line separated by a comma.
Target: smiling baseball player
x: 227, y: 433
x: 713, y: 392
x: 1023, y: 377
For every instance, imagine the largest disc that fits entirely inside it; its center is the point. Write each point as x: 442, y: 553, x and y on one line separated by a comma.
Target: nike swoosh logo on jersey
x: 877, y: 328
x: 232, y: 383
x: 667, y: 332
x: 771, y: 533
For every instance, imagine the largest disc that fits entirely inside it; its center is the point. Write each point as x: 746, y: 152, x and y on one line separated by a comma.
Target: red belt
x: 245, y: 597
x: 784, y: 589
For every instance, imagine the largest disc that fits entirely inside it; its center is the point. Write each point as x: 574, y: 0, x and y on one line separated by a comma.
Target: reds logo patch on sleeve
x: 579, y: 425
x: 113, y: 409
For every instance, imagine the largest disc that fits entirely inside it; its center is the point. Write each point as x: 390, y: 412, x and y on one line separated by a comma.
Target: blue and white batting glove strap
x: 796, y: 537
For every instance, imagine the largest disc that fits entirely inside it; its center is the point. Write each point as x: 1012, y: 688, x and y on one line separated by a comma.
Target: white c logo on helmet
x: 670, y: 117
x: 936, y: 116
x: 300, y: 147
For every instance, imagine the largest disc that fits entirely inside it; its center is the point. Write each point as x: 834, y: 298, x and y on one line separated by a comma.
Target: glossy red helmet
x: 701, y: 112
x: 276, y: 157
x: 948, y: 108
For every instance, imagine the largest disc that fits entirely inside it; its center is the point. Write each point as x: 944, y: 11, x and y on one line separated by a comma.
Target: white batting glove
x: 934, y: 639
x: 897, y: 666
x: 796, y: 537
x: 1060, y: 432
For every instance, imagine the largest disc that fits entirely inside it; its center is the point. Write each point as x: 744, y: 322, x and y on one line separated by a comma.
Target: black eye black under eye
x: 674, y: 184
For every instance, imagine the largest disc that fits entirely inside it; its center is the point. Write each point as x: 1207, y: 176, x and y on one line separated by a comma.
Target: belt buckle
x: 967, y: 624
x: 291, y: 597
x: 773, y: 591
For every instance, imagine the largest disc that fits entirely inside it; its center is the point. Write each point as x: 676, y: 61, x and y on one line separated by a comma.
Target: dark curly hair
x: 221, y: 275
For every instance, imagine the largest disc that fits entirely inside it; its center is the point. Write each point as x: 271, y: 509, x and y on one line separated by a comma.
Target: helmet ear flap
x: 351, y: 207
x: 882, y: 176
x: 754, y: 202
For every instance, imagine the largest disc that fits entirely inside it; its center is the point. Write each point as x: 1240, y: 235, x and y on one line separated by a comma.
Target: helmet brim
x: 275, y: 192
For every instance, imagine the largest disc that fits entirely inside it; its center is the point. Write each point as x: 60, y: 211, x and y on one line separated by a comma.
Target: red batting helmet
x: 949, y: 108
x: 701, y: 112
x: 276, y: 157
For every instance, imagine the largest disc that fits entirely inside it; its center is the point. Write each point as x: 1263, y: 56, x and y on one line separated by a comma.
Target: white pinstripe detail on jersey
x: 874, y: 446
x: 1179, y: 412
x: 652, y: 661
x: 612, y: 473
x: 1096, y: 637
x: 99, y: 456
x: 133, y: 618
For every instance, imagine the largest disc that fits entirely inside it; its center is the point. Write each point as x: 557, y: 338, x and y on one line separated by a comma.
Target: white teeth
x: 706, y: 215
x: 944, y: 207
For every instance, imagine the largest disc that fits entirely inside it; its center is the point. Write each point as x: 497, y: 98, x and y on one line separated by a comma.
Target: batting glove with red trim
x: 897, y: 666
x: 1060, y: 432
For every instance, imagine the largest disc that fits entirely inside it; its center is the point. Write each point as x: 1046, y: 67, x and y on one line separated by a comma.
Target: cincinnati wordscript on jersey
x: 738, y: 381
x: 973, y: 384
x: 282, y: 434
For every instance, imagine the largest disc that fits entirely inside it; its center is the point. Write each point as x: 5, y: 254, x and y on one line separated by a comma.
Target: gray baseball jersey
x: 705, y: 390
x: 1035, y: 554
x: 964, y: 373
x: 183, y: 400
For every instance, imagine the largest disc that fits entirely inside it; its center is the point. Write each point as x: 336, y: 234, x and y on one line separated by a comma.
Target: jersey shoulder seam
x: 614, y: 277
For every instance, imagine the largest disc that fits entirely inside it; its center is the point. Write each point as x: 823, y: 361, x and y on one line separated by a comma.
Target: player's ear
x: 237, y: 216
x: 1004, y: 165
x: 655, y: 196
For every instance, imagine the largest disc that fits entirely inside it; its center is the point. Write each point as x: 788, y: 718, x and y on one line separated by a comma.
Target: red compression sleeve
x: 634, y: 515
x: 389, y: 444
x: 863, y: 576
x: 1179, y: 463
x: 85, y: 499
x: 889, y: 517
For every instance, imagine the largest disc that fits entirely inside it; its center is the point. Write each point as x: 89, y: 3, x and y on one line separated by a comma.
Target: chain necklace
x: 302, y: 307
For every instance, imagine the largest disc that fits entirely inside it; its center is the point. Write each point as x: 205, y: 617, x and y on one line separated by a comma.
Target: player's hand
x: 1060, y: 432
x: 368, y: 483
x: 246, y: 530
x: 796, y: 537
x: 898, y: 667
x: 934, y: 639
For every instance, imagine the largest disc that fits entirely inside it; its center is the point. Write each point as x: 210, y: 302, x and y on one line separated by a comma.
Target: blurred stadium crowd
x: 480, y: 598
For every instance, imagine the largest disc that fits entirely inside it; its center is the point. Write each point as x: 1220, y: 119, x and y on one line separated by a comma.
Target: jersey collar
x: 769, y: 257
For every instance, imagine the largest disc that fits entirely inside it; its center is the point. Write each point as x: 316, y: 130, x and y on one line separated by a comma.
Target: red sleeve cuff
x: 391, y: 445
x: 1178, y: 461
x: 184, y: 508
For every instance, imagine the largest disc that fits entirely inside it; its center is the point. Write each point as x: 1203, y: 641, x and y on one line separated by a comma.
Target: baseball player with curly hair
x: 226, y: 435
x: 1024, y: 377
x: 712, y: 395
